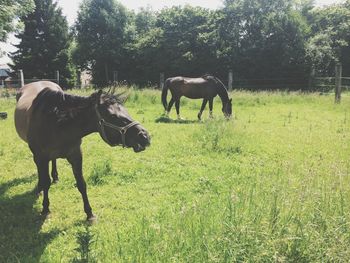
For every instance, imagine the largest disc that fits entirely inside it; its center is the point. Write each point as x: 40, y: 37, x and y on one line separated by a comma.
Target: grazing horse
x: 206, y: 87
x: 53, y: 124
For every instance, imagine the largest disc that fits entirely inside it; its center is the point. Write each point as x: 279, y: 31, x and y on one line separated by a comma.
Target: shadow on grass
x: 164, y: 119
x: 21, y: 239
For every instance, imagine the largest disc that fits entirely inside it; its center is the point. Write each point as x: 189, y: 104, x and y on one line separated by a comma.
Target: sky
x: 70, y: 10
x: 70, y: 7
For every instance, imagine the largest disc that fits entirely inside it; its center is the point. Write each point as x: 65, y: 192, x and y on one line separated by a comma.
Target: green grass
x: 270, y: 185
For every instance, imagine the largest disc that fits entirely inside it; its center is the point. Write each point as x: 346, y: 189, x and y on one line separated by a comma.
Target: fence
x: 17, y: 83
x: 21, y: 81
x: 336, y: 83
x: 270, y: 84
x: 327, y: 84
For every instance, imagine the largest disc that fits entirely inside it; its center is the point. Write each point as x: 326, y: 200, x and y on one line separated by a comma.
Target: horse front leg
x: 44, y: 184
x: 211, y: 107
x: 202, y: 109
x: 76, y: 161
x: 54, y: 173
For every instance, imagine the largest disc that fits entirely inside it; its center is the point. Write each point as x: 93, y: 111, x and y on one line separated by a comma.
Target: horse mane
x: 208, y: 77
x: 63, y: 107
x: 213, y: 78
x: 58, y: 105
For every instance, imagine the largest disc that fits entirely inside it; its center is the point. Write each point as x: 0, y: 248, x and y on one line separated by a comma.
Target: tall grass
x: 270, y: 185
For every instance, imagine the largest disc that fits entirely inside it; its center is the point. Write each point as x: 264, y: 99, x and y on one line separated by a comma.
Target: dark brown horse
x: 53, y: 124
x: 205, y: 87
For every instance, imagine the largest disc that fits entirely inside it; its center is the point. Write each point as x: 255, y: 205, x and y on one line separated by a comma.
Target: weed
x: 85, y: 240
x: 100, y: 173
x: 126, y: 177
x: 135, y: 97
x: 205, y: 185
x: 154, y: 99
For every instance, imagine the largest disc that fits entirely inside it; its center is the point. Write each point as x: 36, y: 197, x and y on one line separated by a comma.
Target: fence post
x: 57, y: 76
x: 338, y: 75
x: 21, y: 77
x: 78, y: 82
x: 161, y: 80
x: 312, y: 78
x: 115, y: 77
x: 230, y: 79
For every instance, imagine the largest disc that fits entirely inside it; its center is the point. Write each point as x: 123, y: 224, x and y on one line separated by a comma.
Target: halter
x: 122, y: 130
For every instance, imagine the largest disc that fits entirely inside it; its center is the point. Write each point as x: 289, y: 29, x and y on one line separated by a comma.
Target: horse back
x: 25, y: 97
x: 193, y: 88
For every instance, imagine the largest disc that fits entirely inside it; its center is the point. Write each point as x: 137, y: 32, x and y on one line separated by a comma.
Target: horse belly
x: 23, y: 113
x: 198, y: 92
x: 193, y: 96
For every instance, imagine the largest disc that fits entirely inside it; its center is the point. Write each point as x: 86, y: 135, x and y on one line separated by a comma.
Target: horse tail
x: 165, y: 93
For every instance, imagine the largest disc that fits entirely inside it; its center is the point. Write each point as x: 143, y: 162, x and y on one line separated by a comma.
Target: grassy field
x: 271, y: 185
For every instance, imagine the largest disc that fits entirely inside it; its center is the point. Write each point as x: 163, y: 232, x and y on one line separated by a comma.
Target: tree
x: 10, y: 11
x: 258, y: 39
x: 145, y: 20
x: 45, y: 44
x: 175, y: 41
x: 100, y: 35
x: 187, y: 46
x: 262, y: 39
x: 141, y: 48
x: 330, y: 41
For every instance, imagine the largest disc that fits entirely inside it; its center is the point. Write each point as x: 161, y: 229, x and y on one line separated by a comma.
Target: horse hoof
x: 37, y: 191
x: 91, y: 219
x: 45, y: 215
x: 55, y: 181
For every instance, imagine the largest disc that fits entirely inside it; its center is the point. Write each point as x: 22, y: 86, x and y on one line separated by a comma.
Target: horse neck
x: 222, y: 92
x: 86, y: 122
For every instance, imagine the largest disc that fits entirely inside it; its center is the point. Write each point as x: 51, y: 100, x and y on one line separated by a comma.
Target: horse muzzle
x: 143, y: 141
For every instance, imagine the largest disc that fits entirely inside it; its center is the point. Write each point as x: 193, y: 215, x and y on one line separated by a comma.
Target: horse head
x: 222, y: 91
x: 227, y: 108
x: 115, y: 125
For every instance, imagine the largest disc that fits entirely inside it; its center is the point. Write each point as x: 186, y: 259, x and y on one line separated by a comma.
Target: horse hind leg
x: 44, y: 182
x: 177, y: 106
x: 170, y: 105
x: 54, y: 176
x: 54, y: 173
